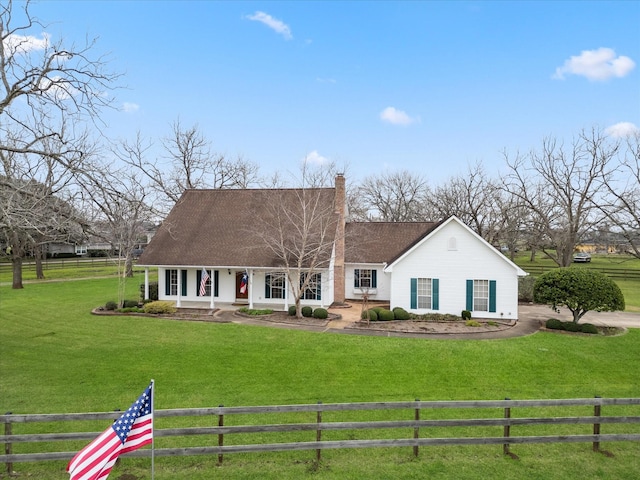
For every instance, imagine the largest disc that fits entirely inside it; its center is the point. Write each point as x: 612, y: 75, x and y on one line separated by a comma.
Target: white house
x: 424, y: 267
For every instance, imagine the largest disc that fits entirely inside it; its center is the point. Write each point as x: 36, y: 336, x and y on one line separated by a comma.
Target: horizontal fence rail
x: 419, y: 431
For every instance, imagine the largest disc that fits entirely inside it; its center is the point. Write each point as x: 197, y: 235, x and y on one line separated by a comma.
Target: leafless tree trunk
x: 300, y: 230
x: 621, y: 205
x: 45, y: 87
x: 559, y: 188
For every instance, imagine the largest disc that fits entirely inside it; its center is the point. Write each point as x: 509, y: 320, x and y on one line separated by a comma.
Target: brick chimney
x: 338, y: 269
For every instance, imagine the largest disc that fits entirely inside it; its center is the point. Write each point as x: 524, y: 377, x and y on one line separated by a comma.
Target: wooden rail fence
x: 412, y: 429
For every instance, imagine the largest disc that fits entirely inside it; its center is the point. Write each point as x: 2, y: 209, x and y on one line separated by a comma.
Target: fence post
x: 507, y: 429
x: 318, y: 432
x: 416, y: 429
x: 596, y: 426
x: 7, y: 445
x: 220, y: 436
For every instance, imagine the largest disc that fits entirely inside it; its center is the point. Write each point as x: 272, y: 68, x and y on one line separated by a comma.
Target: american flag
x: 203, y: 282
x: 131, y: 431
x: 243, y: 283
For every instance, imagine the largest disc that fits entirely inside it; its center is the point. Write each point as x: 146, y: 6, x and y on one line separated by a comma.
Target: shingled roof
x: 382, y: 242
x: 222, y: 227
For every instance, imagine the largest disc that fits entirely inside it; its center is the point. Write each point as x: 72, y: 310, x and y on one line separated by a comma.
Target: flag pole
x: 153, y: 428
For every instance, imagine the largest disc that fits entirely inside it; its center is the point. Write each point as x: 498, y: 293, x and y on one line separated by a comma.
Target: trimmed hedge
x: 321, y: 313
x: 400, y: 313
x: 373, y: 315
x: 292, y: 310
x: 555, y: 324
x: 385, y: 315
x: 466, y: 315
x: 307, y: 311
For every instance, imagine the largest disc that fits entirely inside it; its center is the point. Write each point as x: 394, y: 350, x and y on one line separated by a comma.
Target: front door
x: 242, y: 285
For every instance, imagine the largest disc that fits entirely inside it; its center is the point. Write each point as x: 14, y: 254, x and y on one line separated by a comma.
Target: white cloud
x: 325, y: 80
x: 315, y: 158
x: 397, y: 117
x: 273, y: 23
x: 600, y: 64
x: 23, y: 44
x: 129, y: 107
x: 622, y: 130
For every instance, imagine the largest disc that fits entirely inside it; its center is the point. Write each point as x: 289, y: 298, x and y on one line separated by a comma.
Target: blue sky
x: 428, y: 87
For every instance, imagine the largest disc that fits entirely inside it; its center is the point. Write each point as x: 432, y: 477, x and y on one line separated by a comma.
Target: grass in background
x: 56, y: 357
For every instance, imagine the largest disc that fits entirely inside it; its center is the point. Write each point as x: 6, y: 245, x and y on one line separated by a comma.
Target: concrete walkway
x: 528, y: 323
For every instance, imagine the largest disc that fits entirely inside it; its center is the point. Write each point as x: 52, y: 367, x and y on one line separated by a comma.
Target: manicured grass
x: 56, y: 357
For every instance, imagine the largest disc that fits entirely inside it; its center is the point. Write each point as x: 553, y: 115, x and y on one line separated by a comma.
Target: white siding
x: 454, y: 255
x: 381, y: 292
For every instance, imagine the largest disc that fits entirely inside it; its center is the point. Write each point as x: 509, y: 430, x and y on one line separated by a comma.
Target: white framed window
x: 313, y: 290
x: 274, y: 285
x: 172, y: 287
x: 424, y: 292
x: 364, y: 278
x: 81, y: 249
x: 481, y: 295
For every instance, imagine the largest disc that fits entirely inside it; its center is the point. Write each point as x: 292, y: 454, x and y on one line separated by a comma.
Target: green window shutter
x: 374, y: 279
x: 319, y: 288
x: 492, y: 295
x: 435, y: 294
x: 414, y: 293
x: 356, y: 278
x: 216, y: 276
x: 167, y: 280
x: 198, y: 280
x: 183, y: 273
x: 470, y: 295
x: 267, y: 289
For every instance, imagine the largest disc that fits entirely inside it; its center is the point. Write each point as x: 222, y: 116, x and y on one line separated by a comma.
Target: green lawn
x: 55, y: 357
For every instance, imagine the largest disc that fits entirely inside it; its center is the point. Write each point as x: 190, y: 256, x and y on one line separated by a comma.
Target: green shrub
x: 572, y: 327
x: 307, y: 311
x: 129, y: 303
x: 110, y: 305
x: 131, y: 310
x: 320, y: 313
x: 159, y: 307
x: 492, y: 323
x: 466, y: 315
x: 472, y: 323
x: 377, y: 309
x: 153, y: 291
x: 554, y: 324
x: 385, y: 315
x: 372, y: 315
x: 292, y: 310
x: 589, y: 328
x: 400, y: 313
x: 255, y: 311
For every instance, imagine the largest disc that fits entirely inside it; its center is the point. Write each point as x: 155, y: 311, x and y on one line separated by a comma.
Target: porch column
x: 286, y: 293
x: 178, y: 304
x: 250, y: 287
x: 212, y: 278
x: 146, y: 283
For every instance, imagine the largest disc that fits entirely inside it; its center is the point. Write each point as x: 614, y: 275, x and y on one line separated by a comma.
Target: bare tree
x: 188, y: 163
x: 48, y: 93
x: 394, y: 197
x: 559, y: 188
x: 472, y: 197
x: 621, y: 205
x: 300, y: 228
